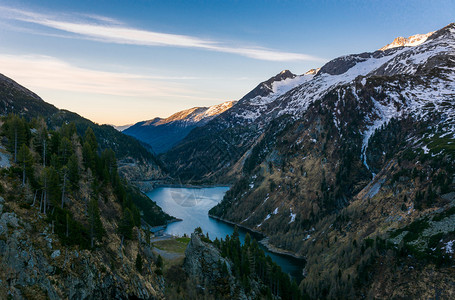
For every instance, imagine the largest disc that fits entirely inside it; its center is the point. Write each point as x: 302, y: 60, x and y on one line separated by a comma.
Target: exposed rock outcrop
x: 34, y: 265
x: 205, y: 263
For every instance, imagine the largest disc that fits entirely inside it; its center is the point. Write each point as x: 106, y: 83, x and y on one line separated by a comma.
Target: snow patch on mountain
x: 292, y: 215
x: 449, y: 247
x: 278, y: 88
x: 384, y: 114
x: 196, y: 114
x: 412, y: 41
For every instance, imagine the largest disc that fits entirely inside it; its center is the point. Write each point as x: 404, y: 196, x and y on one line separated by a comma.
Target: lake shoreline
x: 264, y: 239
x: 147, y: 186
x: 193, y: 205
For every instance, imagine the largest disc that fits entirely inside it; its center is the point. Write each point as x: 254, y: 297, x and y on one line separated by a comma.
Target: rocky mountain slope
x: 354, y: 170
x: 136, y: 161
x: 210, y: 153
x: 163, y: 134
x: 228, y: 138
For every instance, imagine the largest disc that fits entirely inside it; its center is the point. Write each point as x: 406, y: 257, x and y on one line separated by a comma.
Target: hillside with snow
x: 353, y: 169
x: 163, y: 133
x: 234, y: 132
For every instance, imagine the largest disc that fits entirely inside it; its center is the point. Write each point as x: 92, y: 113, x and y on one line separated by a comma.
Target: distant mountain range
x: 162, y: 134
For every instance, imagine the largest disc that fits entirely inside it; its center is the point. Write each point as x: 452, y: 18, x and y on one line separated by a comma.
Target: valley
x: 335, y: 168
x: 342, y: 177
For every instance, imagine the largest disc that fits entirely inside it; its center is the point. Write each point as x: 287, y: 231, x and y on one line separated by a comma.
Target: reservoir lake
x: 192, y: 206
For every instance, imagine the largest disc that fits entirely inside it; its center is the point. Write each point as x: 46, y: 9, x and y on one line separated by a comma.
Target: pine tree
x: 17, y: 132
x: 73, y: 172
x: 89, y: 156
x: 25, y: 159
x: 159, y: 262
x: 96, y: 227
x: 90, y: 138
x: 127, y: 224
x: 65, y: 150
x: 64, y: 173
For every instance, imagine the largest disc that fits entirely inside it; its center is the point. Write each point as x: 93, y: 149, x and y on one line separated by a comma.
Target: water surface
x: 192, y: 206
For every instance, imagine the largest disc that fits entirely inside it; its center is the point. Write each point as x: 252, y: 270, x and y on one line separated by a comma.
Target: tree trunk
x: 41, y: 201
x: 34, y: 198
x: 44, y: 152
x: 45, y: 192
x: 23, y: 175
x: 15, y: 145
x: 63, y: 189
x: 67, y: 225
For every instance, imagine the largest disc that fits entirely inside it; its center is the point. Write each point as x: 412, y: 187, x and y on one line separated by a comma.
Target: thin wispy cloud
x: 45, y: 72
x: 108, y: 30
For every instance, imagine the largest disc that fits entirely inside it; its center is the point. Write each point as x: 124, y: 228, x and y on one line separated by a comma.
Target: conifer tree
x: 96, y: 227
x: 64, y: 173
x: 25, y: 159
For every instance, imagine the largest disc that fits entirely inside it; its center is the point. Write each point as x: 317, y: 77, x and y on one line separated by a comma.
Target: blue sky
x: 121, y: 61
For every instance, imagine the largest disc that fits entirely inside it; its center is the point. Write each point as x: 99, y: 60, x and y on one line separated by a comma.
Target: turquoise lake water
x: 192, y: 206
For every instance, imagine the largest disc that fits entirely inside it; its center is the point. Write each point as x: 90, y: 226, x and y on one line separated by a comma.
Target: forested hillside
x: 64, y: 205
x: 136, y: 161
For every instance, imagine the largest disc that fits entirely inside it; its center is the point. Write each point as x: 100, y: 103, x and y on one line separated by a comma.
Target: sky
x: 121, y: 61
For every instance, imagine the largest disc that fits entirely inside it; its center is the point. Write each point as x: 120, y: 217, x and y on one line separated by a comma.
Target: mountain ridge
x: 413, y: 40
x: 163, y: 133
x: 358, y: 174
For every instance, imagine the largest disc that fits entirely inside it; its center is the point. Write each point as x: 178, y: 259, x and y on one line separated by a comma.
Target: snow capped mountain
x: 408, y: 60
x: 291, y: 94
x: 162, y: 134
x: 255, y: 104
x: 416, y: 79
x: 362, y: 151
x: 194, y: 115
x: 413, y: 40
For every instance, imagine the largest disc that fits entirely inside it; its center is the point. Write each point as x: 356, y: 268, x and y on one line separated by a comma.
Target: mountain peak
x: 411, y: 41
x: 197, y: 114
x: 285, y: 74
x: 312, y: 71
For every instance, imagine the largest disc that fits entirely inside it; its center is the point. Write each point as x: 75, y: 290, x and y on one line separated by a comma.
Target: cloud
x: 108, y: 30
x: 45, y: 72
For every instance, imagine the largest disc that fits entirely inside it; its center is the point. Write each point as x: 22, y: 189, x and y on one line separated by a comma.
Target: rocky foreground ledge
x: 204, y: 262
x: 34, y: 265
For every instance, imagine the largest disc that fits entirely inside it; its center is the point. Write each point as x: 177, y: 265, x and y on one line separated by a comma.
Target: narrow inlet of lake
x: 192, y: 206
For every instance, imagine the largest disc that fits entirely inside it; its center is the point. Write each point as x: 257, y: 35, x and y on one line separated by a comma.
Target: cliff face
x: 204, y: 263
x: 34, y: 265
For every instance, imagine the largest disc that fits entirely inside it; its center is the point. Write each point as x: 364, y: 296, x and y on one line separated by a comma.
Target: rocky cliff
x: 35, y: 265
x: 204, y: 262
